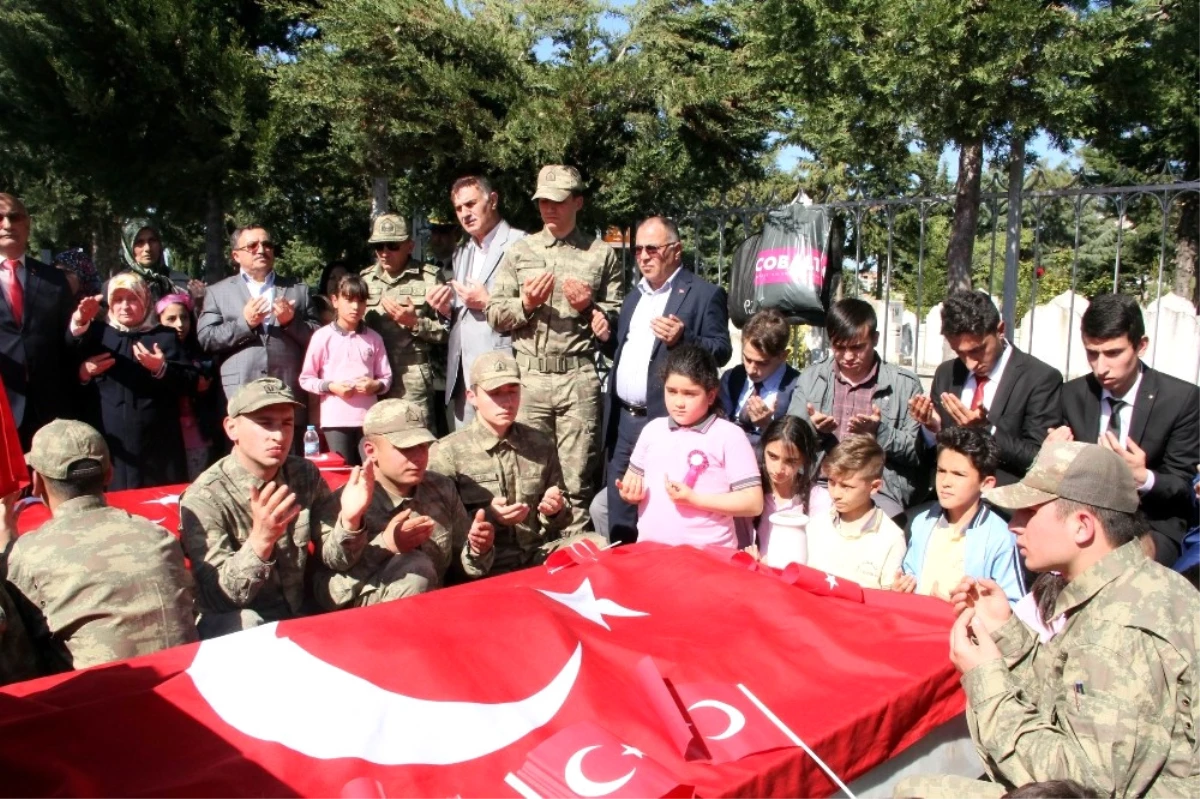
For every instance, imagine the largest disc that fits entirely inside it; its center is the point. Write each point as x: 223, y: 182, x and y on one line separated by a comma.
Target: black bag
x: 784, y: 267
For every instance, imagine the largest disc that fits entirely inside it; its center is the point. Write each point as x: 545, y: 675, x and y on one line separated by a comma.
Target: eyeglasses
x: 390, y: 246
x: 14, y: 217
x: 255, y: 246
x: 653, y: 250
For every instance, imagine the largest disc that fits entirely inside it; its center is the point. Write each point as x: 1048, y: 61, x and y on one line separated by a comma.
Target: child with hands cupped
x: 133, y: 371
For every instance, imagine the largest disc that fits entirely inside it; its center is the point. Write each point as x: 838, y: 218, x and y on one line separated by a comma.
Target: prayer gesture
x: 402, y: 313
x: 285, y: 311
x: 983, y: 596
x: 823, y: 422
x: 971, y: 642
x: 679, y: 492
x: 197, y: 289
x: 153, y: 360
x: 508, y: 515
x: 473, y: 294
x: 961, y: 414
x: 1133, y: 455
x: 406, y: 531
x: 256, y: 310
x: 866, y: 423
x: 95, y: 366
x: 904, y: 583
x: 552, y: 502
x: 367, y: 385
x: 342, y: 389
x: 600, y: 327
x: 272, y: 508
x: 631, y: 488
x: 356, y: 495
x: 86, y: 312
x: 669, y: 329
x: 578, y: 293
x: 924, y: 412
x: 757, y: 411
x: 482, y: 534
x: 440, y: 300
x: 536, y: 290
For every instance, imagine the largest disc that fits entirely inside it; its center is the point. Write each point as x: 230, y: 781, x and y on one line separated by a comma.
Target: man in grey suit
x: 477, y: 206
x: 257, y: 323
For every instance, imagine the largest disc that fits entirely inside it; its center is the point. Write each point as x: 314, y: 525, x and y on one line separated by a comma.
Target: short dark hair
x: 1113, y: 316
x: 353, y: 288
x: 847, y: 317
x: 768, y: 332
x: 1119, y: 527
x: 696, y: 364
x: 85, y: 478
x: 237, y: 233
x: 1050, y: 789
x: 969, y: 312
x: 976, y: 445
x: 858, y: 455
x: 465, y: 181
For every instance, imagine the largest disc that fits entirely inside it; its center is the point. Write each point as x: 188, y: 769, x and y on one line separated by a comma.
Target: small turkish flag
x: 821, y: 583
x: 586, y: 760
x: 728, y: 722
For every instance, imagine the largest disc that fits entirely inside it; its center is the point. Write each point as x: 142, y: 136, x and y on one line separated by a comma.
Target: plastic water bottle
x: 312, y: 442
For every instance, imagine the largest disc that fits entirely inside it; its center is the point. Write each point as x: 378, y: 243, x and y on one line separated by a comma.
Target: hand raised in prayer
x: 482, y: 534
x: 272, y: 508
x: 153, y: 360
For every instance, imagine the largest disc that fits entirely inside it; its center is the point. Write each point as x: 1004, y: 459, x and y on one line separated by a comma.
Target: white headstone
x: 1172, y: 321
x: 1054, y: 337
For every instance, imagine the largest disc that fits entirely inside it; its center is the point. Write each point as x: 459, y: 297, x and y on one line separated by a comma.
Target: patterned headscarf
x: 80, y: 264
x: 128, y: 281
x: 157, y: 275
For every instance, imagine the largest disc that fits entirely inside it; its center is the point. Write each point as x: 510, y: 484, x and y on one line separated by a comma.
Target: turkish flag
x: 13, y: 472
x: 821, y: 583
x: 585, y: 760
x: 729, y: 724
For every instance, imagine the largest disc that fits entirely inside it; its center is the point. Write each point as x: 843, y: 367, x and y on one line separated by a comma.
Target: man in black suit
x: 991, y: 384
x: 758, y: 391
x: 1150, y: 419
x: 35, y: 311
x: 670, y: 306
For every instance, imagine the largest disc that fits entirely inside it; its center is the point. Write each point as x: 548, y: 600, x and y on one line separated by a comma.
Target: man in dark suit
x: 35, y: 310
x: 758, y: 391
x: 669, y: 306
x: 257, y: 323
x: 991, y: 384
x: 1150, y: 419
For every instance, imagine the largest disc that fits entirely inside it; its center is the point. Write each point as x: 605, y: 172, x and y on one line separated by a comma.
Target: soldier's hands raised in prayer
x: 356, y: 496
x: 552, y: 502
x: 983, y: 596
x: 482, y: 534
x: 631, y: 488
x: 536, y: 290
x: 407, y: 531
x: 272, y: 508
x: 971, y: 642
x: 578, y: 293
x: 402, y: 313
x: 508, y: 515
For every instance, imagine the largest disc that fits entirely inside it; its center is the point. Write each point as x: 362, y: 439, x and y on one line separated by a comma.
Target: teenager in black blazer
x: 1020, y: 401
x: 764, y: 351
x: 1159, y: 437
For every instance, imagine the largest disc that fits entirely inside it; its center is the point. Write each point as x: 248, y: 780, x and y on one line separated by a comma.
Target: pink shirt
x: 334, y: 356
x: 663, y: 450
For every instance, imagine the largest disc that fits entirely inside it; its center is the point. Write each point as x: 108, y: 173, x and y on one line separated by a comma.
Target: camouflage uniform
x: 94, y: 583
x: 519, y: 467
x: 378, y: 574
x: 1112, y: 700
x: 554, y: 344
x: 215, y: 521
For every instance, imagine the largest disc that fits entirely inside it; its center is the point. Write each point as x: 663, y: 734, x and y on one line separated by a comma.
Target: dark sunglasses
x: 390, y: 246
x: 653, y: 249
x: 255, y: 246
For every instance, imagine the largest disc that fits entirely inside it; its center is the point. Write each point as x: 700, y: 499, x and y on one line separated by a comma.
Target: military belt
x: 551, y: 364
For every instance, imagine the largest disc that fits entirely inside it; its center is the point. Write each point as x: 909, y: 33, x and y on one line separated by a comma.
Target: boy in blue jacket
x: 959, y: 535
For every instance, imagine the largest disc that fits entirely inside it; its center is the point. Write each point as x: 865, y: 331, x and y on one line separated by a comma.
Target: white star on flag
x: 583, y: 601
x: 829, y: 578
x: 629, y: 750
x: 166, y: 499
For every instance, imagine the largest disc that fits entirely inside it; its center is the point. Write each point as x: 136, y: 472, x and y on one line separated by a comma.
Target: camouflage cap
x: 261, y: 393
x: 1085, y: 473
x: 63, y: 443
x: 557, y: 183
x: 401, y: 422
x: 388, y: 228
x: 494, y: 369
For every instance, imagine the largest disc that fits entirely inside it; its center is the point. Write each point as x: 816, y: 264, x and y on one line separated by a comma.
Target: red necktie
x: 12, y: 287
x: 977, y: 397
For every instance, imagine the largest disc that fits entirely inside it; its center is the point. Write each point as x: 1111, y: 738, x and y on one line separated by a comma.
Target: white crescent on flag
x: 580, y: 784
x: 737, y: 719
x: 365, y: 721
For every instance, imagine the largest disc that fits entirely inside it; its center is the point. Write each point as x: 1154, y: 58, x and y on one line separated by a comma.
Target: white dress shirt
x: 477, y: 253
x: 770, y: 390
x: 968, y: 391
x: 263, y: 289
x: 639, y: 344
x: 1126, y: 415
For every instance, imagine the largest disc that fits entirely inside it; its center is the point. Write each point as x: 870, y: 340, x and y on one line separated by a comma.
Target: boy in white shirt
x: 856, y: 540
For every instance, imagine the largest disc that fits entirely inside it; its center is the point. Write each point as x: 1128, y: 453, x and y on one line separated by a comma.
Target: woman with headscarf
x: 80, y: 272
x: 135, y: 370
x: 143, y: 253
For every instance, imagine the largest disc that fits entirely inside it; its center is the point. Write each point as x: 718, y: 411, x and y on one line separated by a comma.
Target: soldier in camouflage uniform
x: 1111, y: 700
x: 398, y: 311
x: 507, y: 469
x: 410, y: 524
x: 554, y: 291
x: 94, y: 584
x: 248, y: 519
